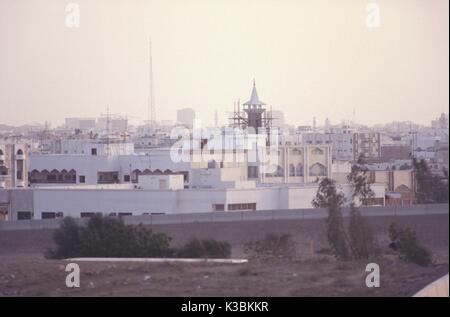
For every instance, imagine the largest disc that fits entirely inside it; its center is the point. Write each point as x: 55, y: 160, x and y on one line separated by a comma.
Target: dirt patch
x: 25, y: 272
x: 316, y: 276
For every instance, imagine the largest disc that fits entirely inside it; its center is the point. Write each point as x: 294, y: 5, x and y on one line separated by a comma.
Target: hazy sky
x: 309, y: 58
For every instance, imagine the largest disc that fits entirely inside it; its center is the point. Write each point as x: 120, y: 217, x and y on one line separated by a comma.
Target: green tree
x: 429, y: 188
x: 359, y: 180
x: 361, y: 239
x: 328, y: 197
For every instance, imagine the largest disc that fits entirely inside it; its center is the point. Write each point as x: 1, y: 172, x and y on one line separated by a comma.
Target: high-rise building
x: 367, y: 145
x: 186, y: 116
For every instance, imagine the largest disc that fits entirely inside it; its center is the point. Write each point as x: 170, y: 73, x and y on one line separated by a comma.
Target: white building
x: 83, y: 201
x: 84, y: 124
x: 117, y: 124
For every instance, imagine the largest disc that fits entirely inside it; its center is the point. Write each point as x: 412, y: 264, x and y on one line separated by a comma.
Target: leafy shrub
x: 272, y: 246
x: 108, y: 237
x: 404, y: 241
x: 336, y: 235
x: 67, y: 239
x: 361, y: 239
x: 205, y: 248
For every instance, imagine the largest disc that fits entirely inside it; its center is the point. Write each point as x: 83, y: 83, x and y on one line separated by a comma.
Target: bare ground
x: 316, y: 276
x: 25, y: 272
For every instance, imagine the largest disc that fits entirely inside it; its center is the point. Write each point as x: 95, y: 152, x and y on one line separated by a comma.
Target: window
x: 252, y: 171
x: 317, y: 170
x: 89, y: 214
x: 317, y: 151
x: 48, y: 215
x: 82, y: 179
x: 299, y: 169
x: 243, y: 206
x: 212, y: 164
x: 93, y: 151
x: 19, y: 169
x: 291, y: 170
x: 126, y: 178
x: 24, y: 215
x: 20, y: 152
x: 219, y: 207
x: 279, y: 172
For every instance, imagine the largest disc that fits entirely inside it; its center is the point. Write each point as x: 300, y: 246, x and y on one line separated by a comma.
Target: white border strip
x: 438, y: 288
x: 159, y: 260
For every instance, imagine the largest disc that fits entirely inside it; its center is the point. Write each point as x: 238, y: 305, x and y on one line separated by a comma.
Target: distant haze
x: 309, y: 58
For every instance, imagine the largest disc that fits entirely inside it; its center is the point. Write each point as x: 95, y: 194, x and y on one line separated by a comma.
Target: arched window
x: 19, y: 152
x: 134, y: 175
x: 3, y: 170
x: 317, y: 170
x: 299, y: 169
x: 317, y: 151
x: 402, y: 189
x: 279, y: 172
x: 291, y: 170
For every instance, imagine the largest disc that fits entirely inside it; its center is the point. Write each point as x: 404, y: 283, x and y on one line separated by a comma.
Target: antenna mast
x: 151, y: 96
x: 108, y: 130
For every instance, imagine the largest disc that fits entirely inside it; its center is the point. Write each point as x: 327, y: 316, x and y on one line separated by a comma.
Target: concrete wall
x: 248, y: 216
x: 172, y: 182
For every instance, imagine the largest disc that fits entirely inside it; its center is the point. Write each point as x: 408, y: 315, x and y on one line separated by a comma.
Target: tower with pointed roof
x: 254, y: 108
x: 254, y: 114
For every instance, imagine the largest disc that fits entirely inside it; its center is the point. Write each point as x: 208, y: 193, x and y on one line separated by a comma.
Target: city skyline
x: 309, y: 59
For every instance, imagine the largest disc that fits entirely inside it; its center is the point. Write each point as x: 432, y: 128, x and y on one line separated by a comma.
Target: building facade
x: 14, y: 165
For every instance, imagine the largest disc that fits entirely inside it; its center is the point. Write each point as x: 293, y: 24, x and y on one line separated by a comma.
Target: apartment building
x: 367, y: 145
x: 14, y: 165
